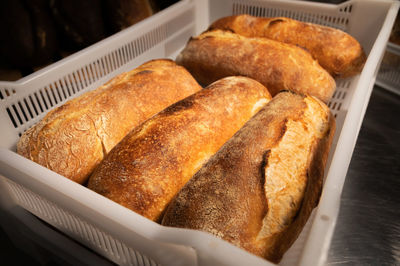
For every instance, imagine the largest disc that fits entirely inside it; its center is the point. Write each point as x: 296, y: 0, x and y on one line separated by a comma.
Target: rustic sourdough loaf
x: 73, y: 138
x: 259, y: 189
x: 336, y: 51
x: 151, y: 164
x: 278, y: 66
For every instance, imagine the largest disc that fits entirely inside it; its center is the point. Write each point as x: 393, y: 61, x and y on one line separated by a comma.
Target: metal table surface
x: 368, y: 226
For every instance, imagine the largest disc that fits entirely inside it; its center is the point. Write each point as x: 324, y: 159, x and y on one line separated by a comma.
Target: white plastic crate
x: 389, y: 72
x: 125, y: 237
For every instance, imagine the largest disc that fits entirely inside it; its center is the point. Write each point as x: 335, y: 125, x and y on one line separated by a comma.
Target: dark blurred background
x: 35, y: 33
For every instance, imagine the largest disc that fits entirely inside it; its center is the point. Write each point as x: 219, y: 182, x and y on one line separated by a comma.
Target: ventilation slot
x: 339, y: 96
x: 73, y: 225
x: 121, y: 56
x: 85, y: 77
x: 92, y: 72
x: 149, y: 40
x: 71, y: 84
x: 97, y: 69
x: 4, y: 93
x: 61, y: 90
x: 63, y: 85
x: 52, y: 95
x: 343, y: 84
x: 335, y: 107
x: 35, y: 104
x: 77, y: 80
x: 30, y: 107
x: 19, y: 113
x: 14, y: 122
x: 339, y: 22
x: 46, y: 98
x: 24, y: 111
x: 346, y: 9
x: 107, y: 64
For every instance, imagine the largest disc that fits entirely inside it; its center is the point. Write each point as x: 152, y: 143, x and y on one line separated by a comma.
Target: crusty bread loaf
x: 73, y: 138
x: 338, y: 52
x: 279, y: 66
x: 149, y: 166
x: 259, y: 189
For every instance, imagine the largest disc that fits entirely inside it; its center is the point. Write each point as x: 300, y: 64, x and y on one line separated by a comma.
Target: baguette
x: 73, y: 138
x: 278, y: 66
x: 258, y: 191
x: 336, y: 51
x: 150, y: 165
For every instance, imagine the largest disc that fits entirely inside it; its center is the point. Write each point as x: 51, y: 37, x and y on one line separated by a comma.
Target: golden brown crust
x: 338, y: 52
x: 258, y: 191
x: 73, y: 138
x: 149, y: 166
x: 279, y: 66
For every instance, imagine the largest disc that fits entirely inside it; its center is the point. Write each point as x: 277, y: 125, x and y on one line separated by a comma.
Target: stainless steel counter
x: 368, y: 226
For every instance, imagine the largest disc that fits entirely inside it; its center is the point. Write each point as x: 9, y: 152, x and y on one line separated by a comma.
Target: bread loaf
x: 259, y: 189
x: 338, y: 52
x: 73, y: 138
x: 151, y: 164
x: 279, y: 66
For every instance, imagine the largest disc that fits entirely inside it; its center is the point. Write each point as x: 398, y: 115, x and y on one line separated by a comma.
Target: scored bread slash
x: 259, y: 189
x: 151, y: 164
